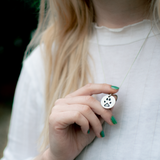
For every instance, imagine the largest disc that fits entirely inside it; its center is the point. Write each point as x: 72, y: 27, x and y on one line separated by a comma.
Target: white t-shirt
x: 137, y: 111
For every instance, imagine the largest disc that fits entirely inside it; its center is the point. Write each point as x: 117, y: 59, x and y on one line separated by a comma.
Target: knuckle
x: 107, y: 114
x: 56, y: 107
x: 98, y: 129
x: 103, y: 85
x: 97, y: 126
x: 89, y: 98
x: 86, y: 108
x: 77, y: 115
x: 97, y: 123
x: 106, y: 86
x: 53, y: 108
x: 89, y: 85
x: 58, y: 101
x: 53, y: 119
x: 86, y: 123
x: 50, y: 119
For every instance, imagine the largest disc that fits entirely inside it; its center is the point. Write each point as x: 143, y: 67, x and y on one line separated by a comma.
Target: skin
x: 120, y: 13
x: 68, y: 139
x: 72, y: 116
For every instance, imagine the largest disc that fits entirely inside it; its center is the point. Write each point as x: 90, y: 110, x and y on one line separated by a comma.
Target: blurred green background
x: 19, y: 20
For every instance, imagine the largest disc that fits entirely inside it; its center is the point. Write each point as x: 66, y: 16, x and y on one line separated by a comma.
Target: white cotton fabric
x: 137, y: 111
x: 28, y: 111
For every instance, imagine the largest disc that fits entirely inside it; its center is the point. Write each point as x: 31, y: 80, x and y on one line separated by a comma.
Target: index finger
x: 93, y: 88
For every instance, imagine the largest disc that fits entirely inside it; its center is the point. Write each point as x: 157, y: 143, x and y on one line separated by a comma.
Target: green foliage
x: 36, y: 4
x: 33, y: 4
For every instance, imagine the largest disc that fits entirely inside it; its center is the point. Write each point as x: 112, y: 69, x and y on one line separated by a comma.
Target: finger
x: 92, y: 88
x: 63, y: 119
x: 101, y: 119
x: 89, y: 101
x: 87, y: 112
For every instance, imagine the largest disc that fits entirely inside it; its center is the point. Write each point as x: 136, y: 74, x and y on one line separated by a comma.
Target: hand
x: 72, y: 117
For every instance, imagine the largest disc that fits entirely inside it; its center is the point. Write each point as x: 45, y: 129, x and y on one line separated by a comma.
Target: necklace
x: 108, y: 101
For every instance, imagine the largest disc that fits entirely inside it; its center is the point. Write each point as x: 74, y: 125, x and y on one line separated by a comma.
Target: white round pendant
x: 108, y: 101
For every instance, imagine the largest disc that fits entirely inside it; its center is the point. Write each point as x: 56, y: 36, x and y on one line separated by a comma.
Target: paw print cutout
x: 108, y: 101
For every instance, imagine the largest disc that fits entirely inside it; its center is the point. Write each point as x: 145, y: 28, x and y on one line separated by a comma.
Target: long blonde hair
x: 66, y: 26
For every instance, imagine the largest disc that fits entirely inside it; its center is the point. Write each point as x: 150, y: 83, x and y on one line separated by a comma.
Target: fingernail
x: 115, y: 87
x: 113, y: 120
x: 102, y: 134
x: 88, y: 131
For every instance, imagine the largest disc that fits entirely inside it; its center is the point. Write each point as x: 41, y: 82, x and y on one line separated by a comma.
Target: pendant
x: 108, y: 101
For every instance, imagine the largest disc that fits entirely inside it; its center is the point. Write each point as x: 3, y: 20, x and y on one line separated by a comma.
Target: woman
x: 106, y: 44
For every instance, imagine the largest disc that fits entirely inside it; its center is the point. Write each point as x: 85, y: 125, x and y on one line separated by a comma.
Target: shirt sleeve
x: 26, y: 120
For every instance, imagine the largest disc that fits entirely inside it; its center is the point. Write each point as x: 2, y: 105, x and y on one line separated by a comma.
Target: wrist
x: 47, y: 155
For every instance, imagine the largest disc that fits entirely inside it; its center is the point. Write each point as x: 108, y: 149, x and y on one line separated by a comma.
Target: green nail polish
x: 115, y: 87
x: 102, y: 134
x: 88, y: 131
x: 113, y: 120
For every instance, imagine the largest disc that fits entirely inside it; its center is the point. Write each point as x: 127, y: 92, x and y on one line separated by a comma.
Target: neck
x: 120, y: 13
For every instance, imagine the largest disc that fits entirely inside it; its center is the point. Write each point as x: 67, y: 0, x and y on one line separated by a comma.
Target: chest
x: 137, y: 110
x: 120, y: 66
